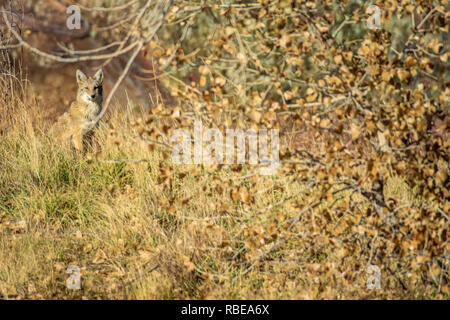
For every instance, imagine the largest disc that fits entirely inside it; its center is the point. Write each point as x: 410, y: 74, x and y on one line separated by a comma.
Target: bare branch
x: 104, y: 9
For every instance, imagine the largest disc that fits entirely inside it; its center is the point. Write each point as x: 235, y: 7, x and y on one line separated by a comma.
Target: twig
x: 104, y: 9
x: 426, y: 18
x: 442, y: 212
x: 60, y: 59
x: 119, y: 81
x: 73, y: 52
x: 132, y: 29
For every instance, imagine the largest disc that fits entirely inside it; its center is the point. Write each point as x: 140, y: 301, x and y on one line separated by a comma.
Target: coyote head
x: 90, y: 89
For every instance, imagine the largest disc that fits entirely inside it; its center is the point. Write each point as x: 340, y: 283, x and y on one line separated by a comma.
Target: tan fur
x: 76, y: 124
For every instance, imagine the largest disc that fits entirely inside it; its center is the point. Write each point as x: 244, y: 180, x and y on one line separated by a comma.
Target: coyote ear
x: 99, y: 76
x: 81, y: 77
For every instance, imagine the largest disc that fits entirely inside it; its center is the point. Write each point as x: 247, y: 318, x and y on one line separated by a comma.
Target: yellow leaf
x: 354, y: 131
x: 100, y: 257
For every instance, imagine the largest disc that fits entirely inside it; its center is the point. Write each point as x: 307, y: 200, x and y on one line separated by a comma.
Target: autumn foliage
x: 376, y: 103
x: 364, y: 126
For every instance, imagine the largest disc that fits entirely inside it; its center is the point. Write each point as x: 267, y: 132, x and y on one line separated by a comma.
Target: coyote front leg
x: 77, y: 139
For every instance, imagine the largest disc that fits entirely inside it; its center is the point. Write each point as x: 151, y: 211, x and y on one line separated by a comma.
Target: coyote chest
x: 81, y: 118
x: 87, y: 115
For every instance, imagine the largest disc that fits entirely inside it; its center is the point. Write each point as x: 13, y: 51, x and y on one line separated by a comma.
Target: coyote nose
x: 93, y: 96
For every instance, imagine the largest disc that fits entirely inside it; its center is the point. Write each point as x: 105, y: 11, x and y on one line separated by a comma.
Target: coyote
x: 75, y: 125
